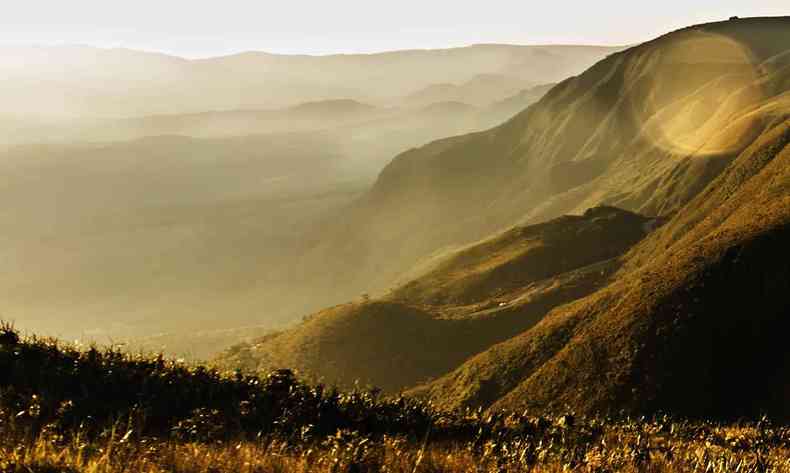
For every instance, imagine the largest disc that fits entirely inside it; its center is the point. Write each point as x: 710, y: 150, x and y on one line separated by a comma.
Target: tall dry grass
x: 68, y: 410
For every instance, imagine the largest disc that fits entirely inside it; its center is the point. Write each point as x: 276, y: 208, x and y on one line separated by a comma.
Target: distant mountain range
x: 68, y: 82
x: 342, y: 116
x: 111, y: 213
x: 480, y: 90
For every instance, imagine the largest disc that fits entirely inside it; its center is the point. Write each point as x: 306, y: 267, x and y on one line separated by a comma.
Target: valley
x: 488, y: 258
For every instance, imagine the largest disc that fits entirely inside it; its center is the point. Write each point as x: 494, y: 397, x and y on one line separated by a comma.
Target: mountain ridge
x: 684, y: 144
x: 117, y: 83
x: 581, y: 145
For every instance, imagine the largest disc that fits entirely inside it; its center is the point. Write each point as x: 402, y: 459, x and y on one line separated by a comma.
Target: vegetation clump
x: 67, y: 410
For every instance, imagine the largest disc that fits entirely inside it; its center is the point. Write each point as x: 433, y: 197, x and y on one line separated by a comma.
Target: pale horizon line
x: 231, y: 53
x: 314, y: 55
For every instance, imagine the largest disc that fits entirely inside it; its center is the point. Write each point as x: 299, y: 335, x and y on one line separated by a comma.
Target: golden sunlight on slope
x: 692, y: 124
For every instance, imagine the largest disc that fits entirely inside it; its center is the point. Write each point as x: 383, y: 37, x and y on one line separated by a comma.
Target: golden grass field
x: 617, y: 450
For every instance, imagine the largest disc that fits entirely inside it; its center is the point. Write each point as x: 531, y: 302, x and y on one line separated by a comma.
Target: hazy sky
x: 198, y: 28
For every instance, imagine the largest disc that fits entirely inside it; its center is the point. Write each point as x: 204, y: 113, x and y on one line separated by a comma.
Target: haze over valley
x: 152, y: 193
x: 561, y: 247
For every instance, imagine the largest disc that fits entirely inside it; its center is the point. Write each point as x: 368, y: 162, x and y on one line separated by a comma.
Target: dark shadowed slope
x: 471, y: 299
x: 523, y: 255
x: 694, y: 324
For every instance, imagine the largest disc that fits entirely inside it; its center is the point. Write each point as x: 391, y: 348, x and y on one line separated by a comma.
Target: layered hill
x: 309, y: 116
x: 481, y: 90
x: 371, y: 134
x: 693, y: 324
x: 464, y: 302
x: 190, y: 194
x: 100, y: 229
x: 69, y: 82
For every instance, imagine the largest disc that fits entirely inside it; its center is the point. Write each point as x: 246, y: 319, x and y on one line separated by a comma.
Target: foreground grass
x: 66, y: 410
x: 614, y: 451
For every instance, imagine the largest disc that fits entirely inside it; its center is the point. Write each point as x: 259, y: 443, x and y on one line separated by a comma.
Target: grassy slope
x: 691, y: 324
x: 465, y: 184
x: 472, y: 299
x: 523, y: 255
x: 69, y: 411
